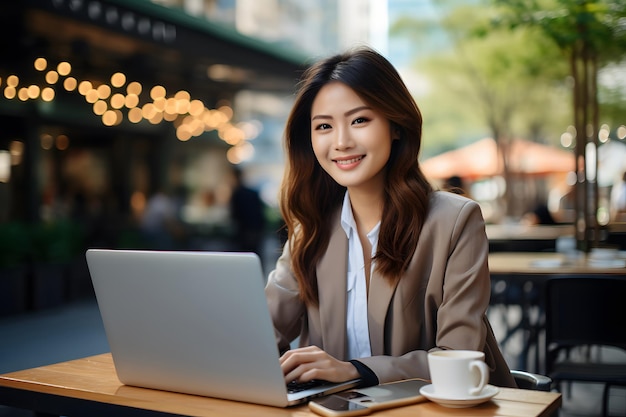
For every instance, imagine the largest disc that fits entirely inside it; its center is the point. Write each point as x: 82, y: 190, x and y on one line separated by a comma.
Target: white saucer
x: 607, y: 263
x: 485, y: 395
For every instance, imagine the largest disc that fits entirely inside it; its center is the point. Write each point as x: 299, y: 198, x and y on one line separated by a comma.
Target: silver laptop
x: 192, y: 322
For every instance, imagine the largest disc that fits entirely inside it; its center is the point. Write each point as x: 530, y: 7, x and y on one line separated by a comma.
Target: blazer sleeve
x: 286, y: 309
x: 462, y: 304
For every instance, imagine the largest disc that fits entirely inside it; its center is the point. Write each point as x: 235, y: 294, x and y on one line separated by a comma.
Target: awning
x: 483, y: 159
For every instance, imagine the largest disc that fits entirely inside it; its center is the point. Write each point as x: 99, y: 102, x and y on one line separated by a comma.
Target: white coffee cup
x: 458, y: 374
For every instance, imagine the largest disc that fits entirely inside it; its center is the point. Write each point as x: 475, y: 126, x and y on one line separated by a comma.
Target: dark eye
x: 360, y: 120
x: 322, y: 126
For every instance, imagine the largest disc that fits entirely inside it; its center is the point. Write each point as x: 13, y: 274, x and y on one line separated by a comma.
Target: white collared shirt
x: 356, y: 320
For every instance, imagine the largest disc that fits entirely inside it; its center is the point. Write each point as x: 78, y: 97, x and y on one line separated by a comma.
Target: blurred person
x: 160, y: 224
x: 379, y: 269
x: 539, y: 215
x: 215, y: 212
x: 566, y: 207
x: 247, y: 213
x: 454, y: 184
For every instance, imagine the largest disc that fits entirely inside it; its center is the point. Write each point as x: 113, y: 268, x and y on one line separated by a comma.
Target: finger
x: 295, y: 375
x: 323, y: 368
x: 329, y: 369
x: 309, y: 371
x: 295, y: 362
x: 301, y: 355
x: 301, y: 349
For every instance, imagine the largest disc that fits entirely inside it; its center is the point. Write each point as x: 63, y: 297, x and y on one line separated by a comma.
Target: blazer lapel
x: 332, y: 271
x: 332, y: 283
x: 380, y: 293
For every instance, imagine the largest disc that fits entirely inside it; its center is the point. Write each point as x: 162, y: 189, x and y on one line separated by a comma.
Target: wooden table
x: 525, y: 238
x: 530, y: 232
x: 89, y: 387
x: 518, y: 279
x: 543, y: 265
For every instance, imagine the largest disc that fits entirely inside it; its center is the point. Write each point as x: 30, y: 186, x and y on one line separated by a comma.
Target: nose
x: 343, y: 139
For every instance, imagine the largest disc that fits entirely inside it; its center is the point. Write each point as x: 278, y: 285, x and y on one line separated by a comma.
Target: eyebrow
x: 348, y: 113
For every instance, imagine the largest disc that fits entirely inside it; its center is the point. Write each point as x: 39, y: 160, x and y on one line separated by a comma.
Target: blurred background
x: 149, y: 124
x: 158, y: 125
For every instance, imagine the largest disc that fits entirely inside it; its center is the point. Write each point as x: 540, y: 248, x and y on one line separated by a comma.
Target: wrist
x: 368, y: 377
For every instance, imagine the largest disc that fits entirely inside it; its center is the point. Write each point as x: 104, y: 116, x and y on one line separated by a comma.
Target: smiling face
x: 351, y: 140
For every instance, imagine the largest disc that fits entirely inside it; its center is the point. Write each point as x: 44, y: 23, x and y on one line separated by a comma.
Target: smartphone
x: 363, y: 401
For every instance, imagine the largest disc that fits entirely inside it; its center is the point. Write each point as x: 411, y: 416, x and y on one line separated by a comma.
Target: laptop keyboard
x: 295, y: 386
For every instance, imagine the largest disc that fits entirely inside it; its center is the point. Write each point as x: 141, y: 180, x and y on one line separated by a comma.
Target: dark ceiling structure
x: 49, y: 49
x: 151, y: 43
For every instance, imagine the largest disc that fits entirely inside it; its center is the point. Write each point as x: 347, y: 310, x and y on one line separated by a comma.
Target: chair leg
x: 559, y: 386
x: 605, y: 400
x: 564, y: 387
x: 569, y: 388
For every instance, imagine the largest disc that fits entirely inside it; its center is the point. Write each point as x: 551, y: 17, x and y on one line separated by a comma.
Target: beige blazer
x: 439, y: 303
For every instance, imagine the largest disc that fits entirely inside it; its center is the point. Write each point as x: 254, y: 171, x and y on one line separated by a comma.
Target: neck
x: 367, y: 209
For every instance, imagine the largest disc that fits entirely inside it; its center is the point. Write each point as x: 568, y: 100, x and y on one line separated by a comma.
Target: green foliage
x: 49, y: 242
x: 56, y: 242
x: 592, y: 30
x: 512, y: 83
x: 505, y: 70
x: 596, y: 24
x: 14, y: 244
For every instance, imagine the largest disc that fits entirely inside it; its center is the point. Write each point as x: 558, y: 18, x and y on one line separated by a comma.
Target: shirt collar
x: 347, y: 218
x: 349, y: 224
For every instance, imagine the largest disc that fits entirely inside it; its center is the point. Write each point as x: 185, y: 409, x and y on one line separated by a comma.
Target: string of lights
x: 120, y: 99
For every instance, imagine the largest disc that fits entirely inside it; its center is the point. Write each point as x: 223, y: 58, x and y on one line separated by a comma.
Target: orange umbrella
x: 483, y: 159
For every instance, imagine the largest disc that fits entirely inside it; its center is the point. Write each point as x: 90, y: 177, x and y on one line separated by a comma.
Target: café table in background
x: 525, y: 238
x: 518, y: 280
x: 90, y: 387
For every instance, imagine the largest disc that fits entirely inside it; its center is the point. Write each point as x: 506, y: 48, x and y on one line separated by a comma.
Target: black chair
x: 583, y: 315
x: 523, y: 292
x: 531, y: 381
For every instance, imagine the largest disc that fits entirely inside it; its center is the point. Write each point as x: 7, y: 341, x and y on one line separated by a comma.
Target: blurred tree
x: 513, y: 82
x: 592, y: 34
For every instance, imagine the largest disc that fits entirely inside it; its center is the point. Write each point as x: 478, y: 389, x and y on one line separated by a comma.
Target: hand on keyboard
x: 295, y: 386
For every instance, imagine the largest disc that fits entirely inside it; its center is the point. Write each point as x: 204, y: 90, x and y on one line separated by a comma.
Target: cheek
x: 318, y: 149
x: 379, y: 141
x: 383, y: 151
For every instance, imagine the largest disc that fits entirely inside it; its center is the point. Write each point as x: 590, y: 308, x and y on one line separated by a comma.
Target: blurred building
x: 122, y: 98
x: 104, y: 102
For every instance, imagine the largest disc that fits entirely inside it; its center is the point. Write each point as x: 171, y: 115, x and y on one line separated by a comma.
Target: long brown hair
x: 309, y: 195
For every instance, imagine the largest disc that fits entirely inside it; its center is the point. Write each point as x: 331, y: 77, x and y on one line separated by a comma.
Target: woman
x: 378, y: 269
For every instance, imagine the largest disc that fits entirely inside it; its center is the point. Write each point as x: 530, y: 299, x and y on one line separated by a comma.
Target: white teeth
x: 349, y: 161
